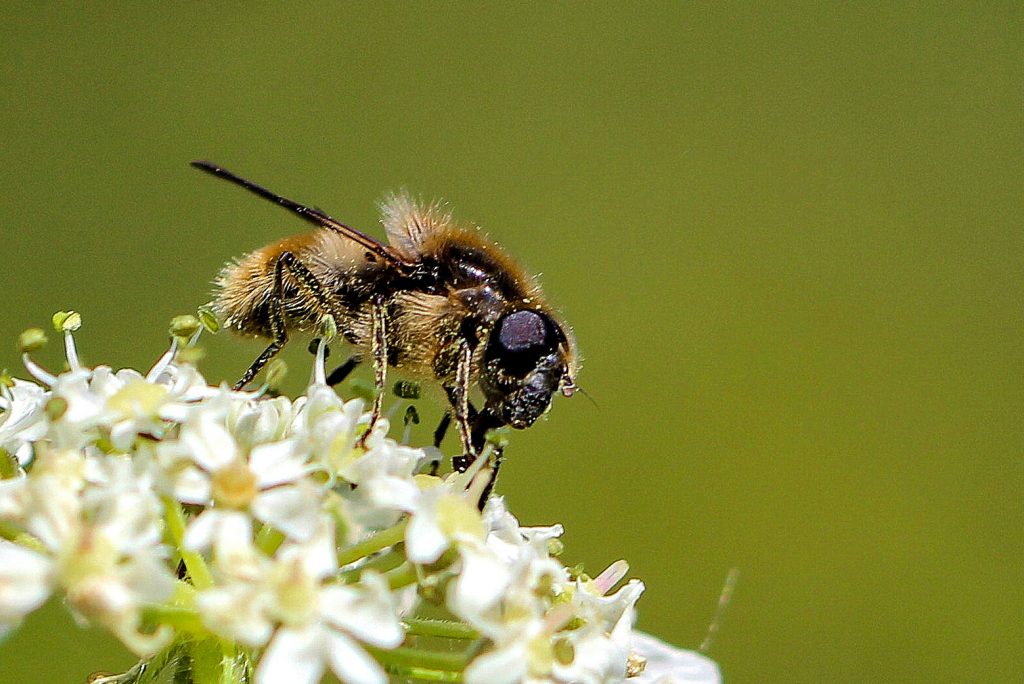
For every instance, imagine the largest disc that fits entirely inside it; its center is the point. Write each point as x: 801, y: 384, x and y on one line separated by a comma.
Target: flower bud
x: 67, y: 321
x: 407, y: 389
x: 208, y: 318
x: 328, y: 328
x: 185, y: 326
x: 31, y: 340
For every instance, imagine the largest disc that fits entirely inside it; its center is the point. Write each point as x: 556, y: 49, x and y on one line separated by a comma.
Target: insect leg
x: 439, y: 433
x: 277, y: 327
x: 496, y: 461
x: 307, y: 281
x: 460, y: 403
x: 483, y: 422
x: 379, y: 349
x: 339, y: 374
x: 442, y: 428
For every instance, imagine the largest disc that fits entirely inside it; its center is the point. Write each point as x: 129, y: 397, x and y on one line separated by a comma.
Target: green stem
x: 197, y: 570
x: 422, y: 674
x: 446, y: 629
x: 402, y: 576
x: 378, y: 541
x: 414, y: 657
x: 29, y: 542
x: 182, y: 619
x: 385, y: 563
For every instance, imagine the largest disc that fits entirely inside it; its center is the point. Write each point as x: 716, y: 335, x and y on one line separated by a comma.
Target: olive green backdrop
x: 789, y: 242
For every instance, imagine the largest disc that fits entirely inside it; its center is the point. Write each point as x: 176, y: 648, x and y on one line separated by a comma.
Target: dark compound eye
x: 522, y: 331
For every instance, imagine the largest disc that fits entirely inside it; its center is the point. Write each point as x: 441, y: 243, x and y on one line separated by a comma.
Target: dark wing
x: 310, y: 214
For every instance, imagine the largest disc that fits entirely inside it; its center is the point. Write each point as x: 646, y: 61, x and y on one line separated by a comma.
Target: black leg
x: 276, y: 327
x: 307, y: 281
x: 497, y: 457
x: 339, y: 374
x: 439, y: 433
x: 442, y: 428
x: 483, y: 422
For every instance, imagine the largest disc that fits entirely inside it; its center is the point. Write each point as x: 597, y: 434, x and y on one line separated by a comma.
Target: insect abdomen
x: 247, y: 288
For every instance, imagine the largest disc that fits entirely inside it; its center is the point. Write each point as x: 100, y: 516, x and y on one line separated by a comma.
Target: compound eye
x: 522, y: 331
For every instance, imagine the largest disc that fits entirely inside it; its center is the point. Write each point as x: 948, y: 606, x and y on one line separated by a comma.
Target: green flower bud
x: 31, y: 340
x: 208, y: 318
x: 407, y: 389
x: 185, y: 326
x: 576, y: 573
x: 328, y: 328
x: 67, y: 321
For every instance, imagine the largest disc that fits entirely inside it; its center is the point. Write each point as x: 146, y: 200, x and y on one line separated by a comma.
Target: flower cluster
x: 288, y: 535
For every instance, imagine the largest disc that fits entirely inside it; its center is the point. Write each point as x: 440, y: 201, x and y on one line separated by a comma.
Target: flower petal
x: 667, y: 664
x: 352, y: 664
x: 295, y: 656
x: 292, y: 509
x: 276, y: 463
x: 369, y: 614
x: 501, y: 666
x: 24, y: 582
x: 424, y: 540
x: 236, y: 611
x: 209, y: 443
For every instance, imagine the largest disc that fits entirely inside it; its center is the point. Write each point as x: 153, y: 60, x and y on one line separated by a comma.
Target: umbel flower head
x: 182, y: 517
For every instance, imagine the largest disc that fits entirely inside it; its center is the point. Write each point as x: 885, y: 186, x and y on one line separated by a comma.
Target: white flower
x: 328, y: 426
x: 337, y: 618
x: 667, y: 664
x: 319, y: 624
x: 597, y: 652
x: 261, y: 422
x: 506, y: 582
x: 99, y: 544
x: 268, y: 482
x: 120, y: 406
x: 476, y: 591
x: 25, y: 579
x: 23, y: 419
x: 95, y: 448
x: 440, y: 517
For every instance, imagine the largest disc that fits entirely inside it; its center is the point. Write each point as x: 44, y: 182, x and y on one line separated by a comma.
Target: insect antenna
x: 587, y: 395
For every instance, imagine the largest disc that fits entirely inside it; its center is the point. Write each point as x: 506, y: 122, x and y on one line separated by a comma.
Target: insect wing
x: 310, y: 214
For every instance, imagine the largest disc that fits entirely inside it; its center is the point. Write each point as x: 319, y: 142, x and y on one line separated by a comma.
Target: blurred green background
x: 789, y: 241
